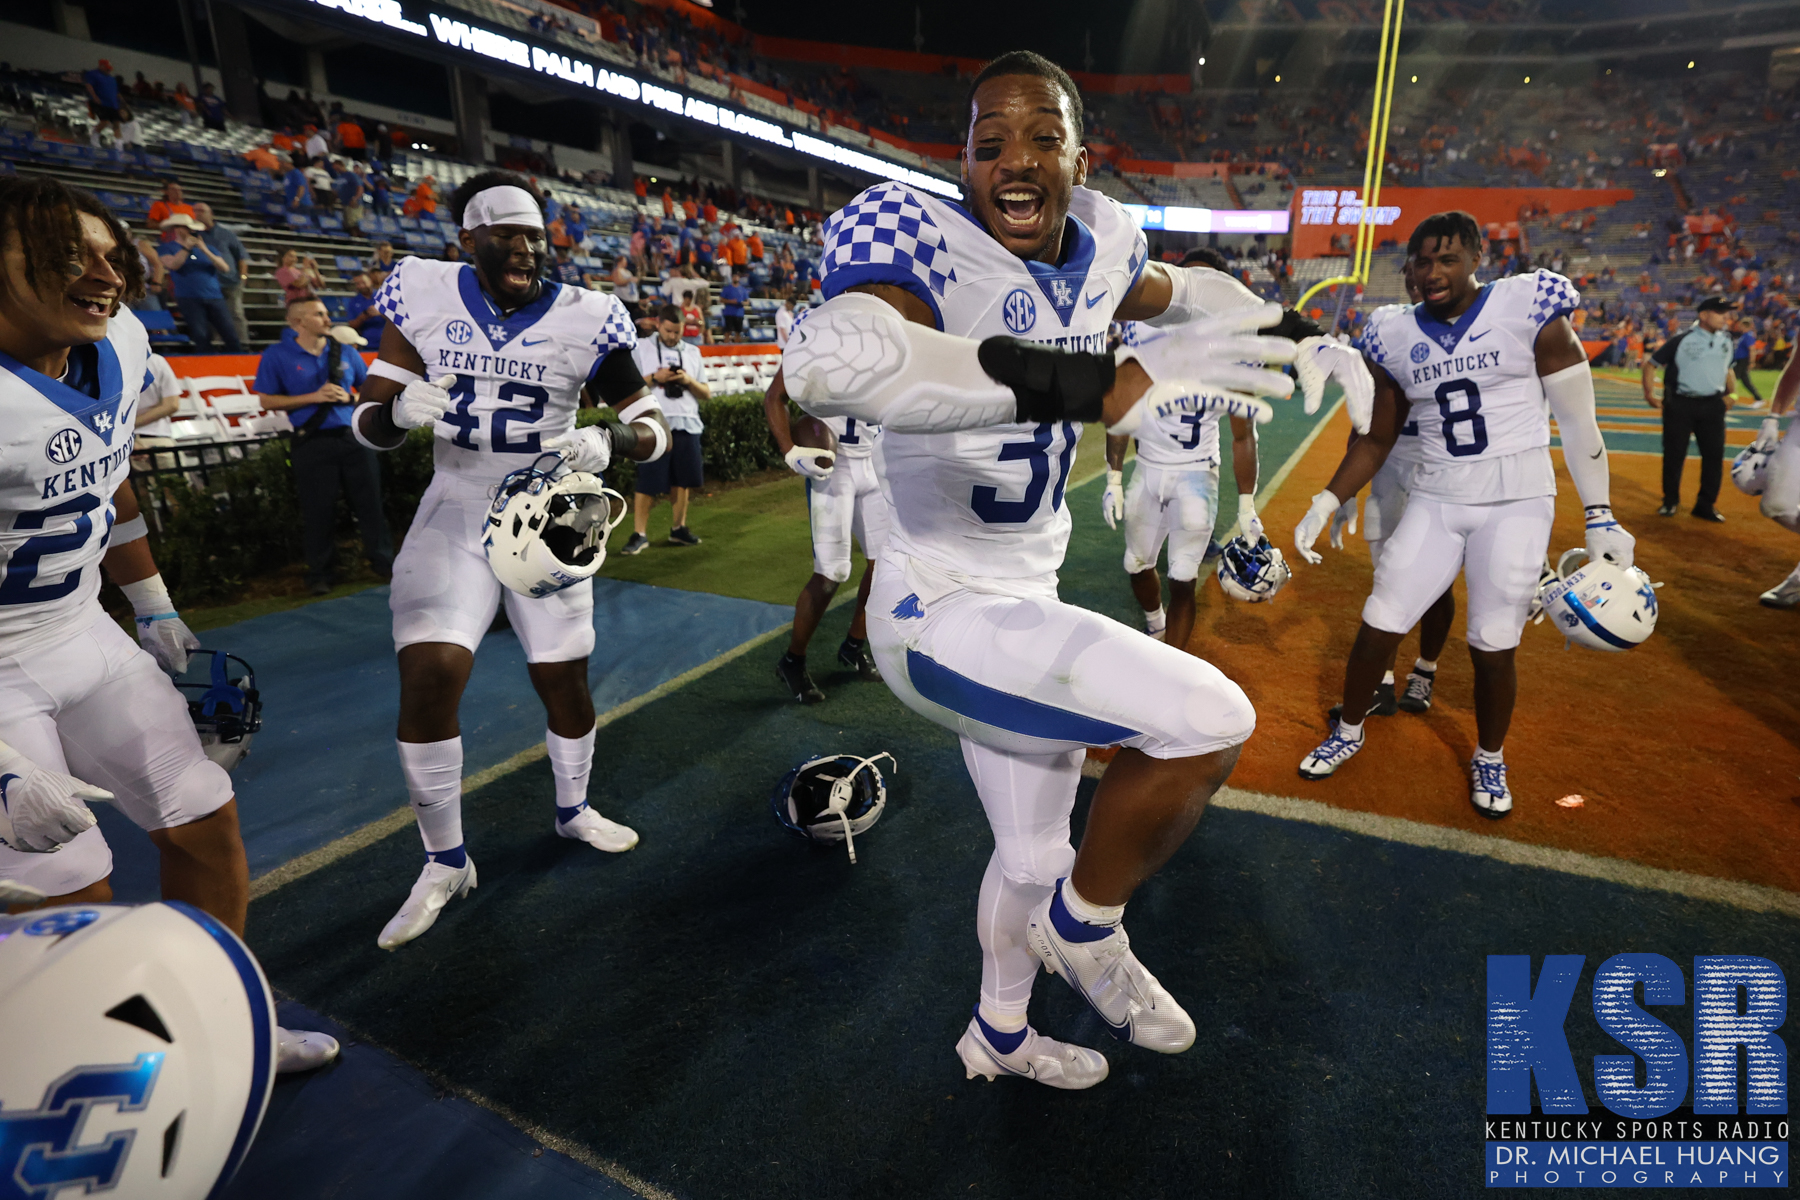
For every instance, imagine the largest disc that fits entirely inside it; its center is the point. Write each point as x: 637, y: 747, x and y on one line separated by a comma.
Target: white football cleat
x: 1056, y: 1064
x: 590, y: 827
x: 1487, y: 788
x: 437, y: 886
x: 1135, y: 1007
x: 1785, y: 594
x: 1331, y: 754
x: 300, y: 1050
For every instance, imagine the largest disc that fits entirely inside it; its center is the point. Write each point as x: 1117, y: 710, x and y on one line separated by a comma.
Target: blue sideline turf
x: 324, y: 764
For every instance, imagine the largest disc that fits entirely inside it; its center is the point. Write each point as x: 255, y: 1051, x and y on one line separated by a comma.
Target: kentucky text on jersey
x: 1461, y: 365
x: 84, y: 477
x: 491, y: 364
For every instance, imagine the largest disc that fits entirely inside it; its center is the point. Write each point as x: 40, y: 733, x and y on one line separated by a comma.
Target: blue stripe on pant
x: 1003, y: 710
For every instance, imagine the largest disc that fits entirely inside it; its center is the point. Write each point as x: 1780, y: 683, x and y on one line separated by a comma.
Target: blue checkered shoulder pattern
x: 887, y: 226
x: 616, y: 328
x: 389, y: 301
x: 1555, y: 297
x: 1370, y: 343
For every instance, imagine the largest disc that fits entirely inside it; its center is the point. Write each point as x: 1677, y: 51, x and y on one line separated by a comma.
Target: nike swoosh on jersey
x: 1095, y: 299
x: 1476, y: 337
x: 541, y: 341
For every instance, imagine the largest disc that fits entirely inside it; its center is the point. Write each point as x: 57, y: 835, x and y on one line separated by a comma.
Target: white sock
x: 1087, y: 913
x: 1156, y: 622
x: 1005, y: 1022
x: 433, y: 773
x: 571, y: 761
x: 1488, y: 755
x: 1428, y: 665
x: 1349, y: 732
x: 1387, y: 677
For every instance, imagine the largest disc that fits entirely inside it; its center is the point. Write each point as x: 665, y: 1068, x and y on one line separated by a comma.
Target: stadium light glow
x: 578, y: 71
x: 1690, y: 65
x: 1415, y: 79
x: 1203, y: 60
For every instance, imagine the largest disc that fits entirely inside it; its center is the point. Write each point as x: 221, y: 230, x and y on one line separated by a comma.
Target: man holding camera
x: 672, y: 367
x: 196, y: 270
x: 312, y: 374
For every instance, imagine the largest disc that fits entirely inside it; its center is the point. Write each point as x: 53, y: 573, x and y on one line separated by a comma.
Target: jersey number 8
x: 1471, y: 413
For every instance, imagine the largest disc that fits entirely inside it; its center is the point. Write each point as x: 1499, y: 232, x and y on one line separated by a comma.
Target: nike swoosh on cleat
x: 1095, y: 299
x: 1122, y: 1032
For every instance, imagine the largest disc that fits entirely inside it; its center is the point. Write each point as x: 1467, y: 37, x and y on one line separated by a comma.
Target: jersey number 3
x: 1469, y: 414
x: 22, y: 563
x: 985, y: 498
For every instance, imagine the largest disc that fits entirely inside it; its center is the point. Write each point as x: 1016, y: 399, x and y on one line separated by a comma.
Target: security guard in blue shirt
x: 312, y: 374
x: 1697, y: 391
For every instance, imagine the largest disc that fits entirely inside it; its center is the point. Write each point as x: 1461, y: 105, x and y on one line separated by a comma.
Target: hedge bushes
x: 247, y: 522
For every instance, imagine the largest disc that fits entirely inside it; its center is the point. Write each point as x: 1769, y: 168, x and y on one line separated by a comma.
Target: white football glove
x: 1112, y: 499
x: 1313, y: 524
x: 1343, y: 521
x: 1607, y: 539
x: 169, y: 641
x: 804, y: 460
x: 587, y: 449
x: 1221, y: 354
x: 39, y: 809
x: 1769, y: 436
x: 421, y: 403
x: 1322, y: 358
x: 1250, y: 526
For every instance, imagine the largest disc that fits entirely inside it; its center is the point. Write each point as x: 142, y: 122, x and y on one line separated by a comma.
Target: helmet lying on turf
x: 1597, y: 604
x: 227, y: 711
x: 547, y: 530
x: 831, y: 798
x: 1750, y: 471
x: 1253, y: 573
x: 143, y: 1051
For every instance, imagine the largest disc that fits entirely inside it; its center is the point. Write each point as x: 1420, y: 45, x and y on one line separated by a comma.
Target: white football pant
x: 1173, y: 504
x: 849, y: 505
x: 96, y: 706
x: 1781, y: 490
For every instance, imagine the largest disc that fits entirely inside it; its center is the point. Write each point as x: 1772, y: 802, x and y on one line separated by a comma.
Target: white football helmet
x: 1750, y: 471
x: 1597, y: 604
x: 547, y: 531
x: 142, y: 1051
x: 1252, y: 572
x: 832, y: 797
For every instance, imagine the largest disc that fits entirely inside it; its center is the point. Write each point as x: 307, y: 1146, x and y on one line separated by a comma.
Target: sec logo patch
x: 1420, y: 352
x: 459, y: 332
x: 1020, y: 311
x: 64, y: 446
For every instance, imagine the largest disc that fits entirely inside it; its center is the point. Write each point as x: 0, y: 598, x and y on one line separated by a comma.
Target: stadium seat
x: 161, y: 327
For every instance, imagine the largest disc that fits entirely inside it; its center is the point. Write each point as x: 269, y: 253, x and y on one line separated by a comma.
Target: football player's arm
x: 1568, y: 381
x: 1244, y: 470
x: 874, y: 353
x: 1360, y: 462
x: 164, y: 407
x: 802, y: 460
x: 128, y: 563
x: 1112, y: 496
x: 397, y: 396
x: 639, y: 432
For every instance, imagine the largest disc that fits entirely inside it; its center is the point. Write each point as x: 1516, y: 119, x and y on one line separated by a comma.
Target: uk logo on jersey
x: 1020, y: 311
x: 459, y: 332
x: 1420, y: 352
x: 1061, y: 294
x: 498, y: 333
x: 39, y: 1153
x: 64, y: 446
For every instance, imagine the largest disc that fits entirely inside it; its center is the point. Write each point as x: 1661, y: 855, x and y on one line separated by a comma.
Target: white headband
x: 505, y: 205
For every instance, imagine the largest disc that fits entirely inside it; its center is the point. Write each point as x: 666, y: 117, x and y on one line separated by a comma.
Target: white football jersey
x: 518, y: 375
x: 1405, y: 453
x: 985, y: 503
x: 1169, y: 437
x: 62, y: 455
x: 1483, y: 422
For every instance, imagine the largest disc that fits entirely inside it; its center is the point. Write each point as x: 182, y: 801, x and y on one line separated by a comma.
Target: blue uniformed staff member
x: 1697, y: 391
x: 312, y: 374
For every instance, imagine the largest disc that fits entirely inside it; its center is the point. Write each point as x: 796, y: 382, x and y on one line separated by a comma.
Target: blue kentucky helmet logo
x: 38, y: 1152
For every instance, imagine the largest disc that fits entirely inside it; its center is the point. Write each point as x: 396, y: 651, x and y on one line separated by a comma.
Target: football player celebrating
x: 497, y: 357
x: 977, y: 338
x: 1380, y: 517
x: 1174, y: 497
x: 1781, y: 492
x: 84, y: 714
x: 1473, y: 364
x: 843, y: 501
